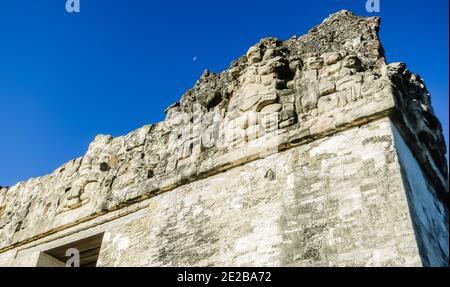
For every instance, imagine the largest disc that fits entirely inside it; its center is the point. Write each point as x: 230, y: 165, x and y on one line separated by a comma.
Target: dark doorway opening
x: 87, y: 248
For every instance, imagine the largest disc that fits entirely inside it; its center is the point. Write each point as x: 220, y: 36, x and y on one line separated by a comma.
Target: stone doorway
x: 81, y: 253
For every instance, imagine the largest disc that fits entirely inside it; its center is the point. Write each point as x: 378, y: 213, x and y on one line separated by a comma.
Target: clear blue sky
x: 119, y: 63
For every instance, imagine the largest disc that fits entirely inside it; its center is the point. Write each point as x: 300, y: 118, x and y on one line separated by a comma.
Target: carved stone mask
x: 352, y: 62
x: 254, y: 54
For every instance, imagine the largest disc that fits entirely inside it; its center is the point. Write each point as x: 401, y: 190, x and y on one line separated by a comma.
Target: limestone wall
x: 428, y: 213
x: 338, y: 201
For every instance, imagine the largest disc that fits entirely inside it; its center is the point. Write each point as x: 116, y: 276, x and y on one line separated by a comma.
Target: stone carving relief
x: 332, y: 81
x: 262, y: 103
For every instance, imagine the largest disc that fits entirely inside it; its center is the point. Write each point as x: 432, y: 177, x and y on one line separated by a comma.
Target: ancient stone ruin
x: 307, y: 152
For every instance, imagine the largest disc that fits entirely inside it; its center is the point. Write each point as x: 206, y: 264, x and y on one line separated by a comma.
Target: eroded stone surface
x: 279, y: 95
x: 333, y: 202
